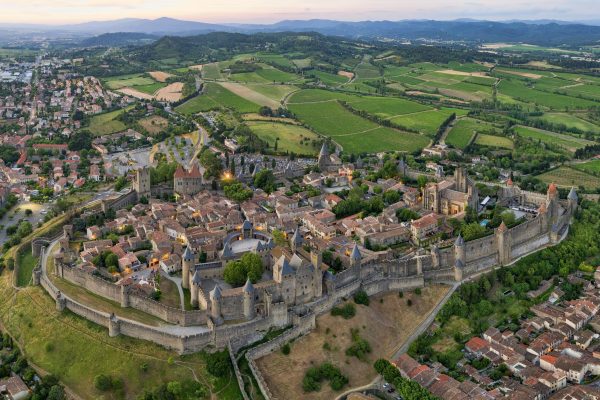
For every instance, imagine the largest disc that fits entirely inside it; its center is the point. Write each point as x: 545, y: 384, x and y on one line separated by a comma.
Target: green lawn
x: 292, y: 138
x: 105, y: 124
x: 327, y: 78
x: 567, y: 142
x: 366, y: 70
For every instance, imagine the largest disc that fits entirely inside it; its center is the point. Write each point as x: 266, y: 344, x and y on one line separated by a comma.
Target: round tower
x: 249, y: 297
x: 215, y: 305
x: 572, y: 200
x: 187, y: 263
x: 459, y: 249
x: 195, y: 289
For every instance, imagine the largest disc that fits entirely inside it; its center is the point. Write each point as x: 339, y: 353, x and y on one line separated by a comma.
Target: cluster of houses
x: 550, y: 355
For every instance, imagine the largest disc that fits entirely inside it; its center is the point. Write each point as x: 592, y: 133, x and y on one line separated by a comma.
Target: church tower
x: 141, y: 183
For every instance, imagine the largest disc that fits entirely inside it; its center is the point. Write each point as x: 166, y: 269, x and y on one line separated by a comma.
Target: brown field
x: 461, y: 73
x: 196, y: 67
x: 171, y: 92
x: 495, y: 46
x: 159, y: 76
x: 461, y: 95
x: 385, y: 325
x: 135, y: 93
x: 485, y: 64
x: 419, y: 93
x: 346, y: 74
x: 519, y: 73
x: 542, y: 64
x: 249, y: 94
x: 154, y: 124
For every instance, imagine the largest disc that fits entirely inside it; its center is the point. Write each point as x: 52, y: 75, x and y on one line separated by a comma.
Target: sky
x: 266, y: 11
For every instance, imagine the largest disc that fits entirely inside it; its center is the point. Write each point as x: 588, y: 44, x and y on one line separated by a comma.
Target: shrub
x: 285, y: 349
x: 218, y: 364
x: 103, y: 382
x: 418, y: 291
x: 49, y: 347
x: 361, y: 297
x: 326, y: 371
x: 401, y: 294
x: 409, y: 302
x: 359, y: 348
x: 347, y: 311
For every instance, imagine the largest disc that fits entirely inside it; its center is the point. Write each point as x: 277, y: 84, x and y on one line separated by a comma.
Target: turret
x: 552, y: 201
x: 503, y: 240
x: 317, y: 262
x: 459, y: 249
x: 355, y: 257
x: 458, y: 270
x: 215, y: 305
x: 296, y: 241
x: 249, y: 300
x: 195, y: 289
x: 572, y: 200
x: 435, y: 256
x: 187, y: 263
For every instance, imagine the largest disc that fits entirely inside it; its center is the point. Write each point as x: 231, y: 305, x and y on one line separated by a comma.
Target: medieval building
x: 451, y: 196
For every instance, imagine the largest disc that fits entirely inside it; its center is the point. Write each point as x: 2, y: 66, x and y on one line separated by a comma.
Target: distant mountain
x: 541, y: 32
x: 119, y: 39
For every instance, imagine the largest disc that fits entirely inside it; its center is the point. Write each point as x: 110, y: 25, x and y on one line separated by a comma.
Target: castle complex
x: 204, y: 232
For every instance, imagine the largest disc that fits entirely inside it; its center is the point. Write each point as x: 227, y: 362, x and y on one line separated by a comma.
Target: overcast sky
x: 62, y: 11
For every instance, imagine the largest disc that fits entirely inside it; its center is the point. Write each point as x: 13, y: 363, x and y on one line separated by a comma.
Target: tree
x: 265, y: 180
x: 211, y: 163
x: 120, y: 183
x: 248, y: 266
x: 80, y: 140
x: 56, y: 393
x: 237, y: 192
x: 111, y: 260
x: 103, y: 382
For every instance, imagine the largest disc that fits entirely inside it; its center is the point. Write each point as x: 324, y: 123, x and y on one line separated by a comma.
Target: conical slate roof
x: 248, y: 287
x: 187, y: 254
x: 297, y: 238
x: 196, y: 278
x: 283, y: 263
x: 459, y: 264
x: 355, y: 255
x: 459, y: 241
x: 215, y: 293
x: 324, y: 150
x: 573, y: 194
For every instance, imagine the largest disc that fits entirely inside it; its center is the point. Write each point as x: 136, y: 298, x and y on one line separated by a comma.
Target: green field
x: 216, y: 96
x: 151, y: 88
x: 366, y: 71
x: 591, y: 167
x: 27, y: 262
x: 568, y: 177
x: 211, y: 71
x: 387, y: 107
x: 292, y: 138
x: 105, y: 124
x: 353, y: 133
x: 119, y: 82
x: 274, y: 92
x: 569, y: 143
x: 327, y: 78
x: 266, y: 74
x: 520, y: 91
x: 464, y: 129
x: 10, y: 53
x: 494, y: 141
x: 570, y: 121
x: 427, y: 122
